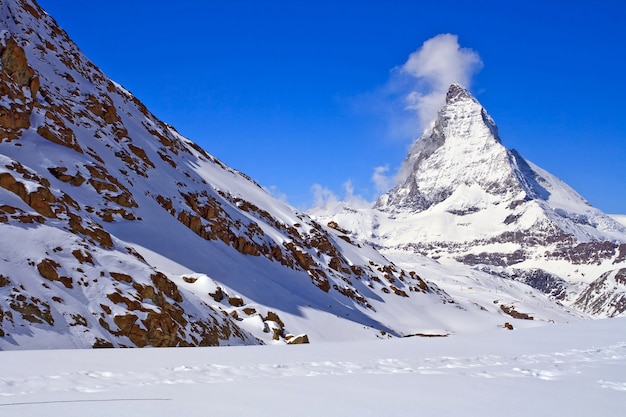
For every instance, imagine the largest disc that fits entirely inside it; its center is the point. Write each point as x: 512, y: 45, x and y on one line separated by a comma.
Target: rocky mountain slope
x: 605, y: 296
x: 117, y: 231
x: 467, y: 199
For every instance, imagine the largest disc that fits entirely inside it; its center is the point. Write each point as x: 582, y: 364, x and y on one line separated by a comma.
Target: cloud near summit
x: 419, y: 86
x: 435, y: 65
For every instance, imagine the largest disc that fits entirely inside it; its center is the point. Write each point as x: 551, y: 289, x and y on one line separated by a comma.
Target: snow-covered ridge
x: 142, y: 237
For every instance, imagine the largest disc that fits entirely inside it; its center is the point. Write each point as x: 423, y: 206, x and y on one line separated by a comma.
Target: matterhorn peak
x: 464, y: 198
x: 460, y: 149
x: 459, y: 166
x: 464, y: 118
x: 456, y: 92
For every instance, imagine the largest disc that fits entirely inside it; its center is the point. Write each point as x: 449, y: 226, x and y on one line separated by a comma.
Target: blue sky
x: 300, y: 93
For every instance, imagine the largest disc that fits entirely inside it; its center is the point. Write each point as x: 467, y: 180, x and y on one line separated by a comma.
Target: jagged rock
x: 271, y: 316
x: 48, y: 269
x: 31, y: 308
x: 218, y: 295
x: 236, y: 301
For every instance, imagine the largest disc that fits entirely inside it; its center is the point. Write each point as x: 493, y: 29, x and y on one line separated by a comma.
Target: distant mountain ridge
x: 465, y: 198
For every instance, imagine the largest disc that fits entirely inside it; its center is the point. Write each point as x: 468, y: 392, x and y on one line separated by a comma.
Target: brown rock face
x: 57, y: 132
x: 103, y: 109
x: 40, y: 200
x: 48, y: 269
x: 166, y: 323
x: 14, y: 63
x: 61, y: 174
x: 19, y: 84
x: 508, y: 309
x: 235, y: 301
x: 31, y: 308
x: 162, y: 283
x: 92, y: 230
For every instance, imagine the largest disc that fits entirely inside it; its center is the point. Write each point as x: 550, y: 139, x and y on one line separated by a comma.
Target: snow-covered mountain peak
x: 460, y: 166
x: 461, y: 149
x: 457, y: 92
x: 465, y: 198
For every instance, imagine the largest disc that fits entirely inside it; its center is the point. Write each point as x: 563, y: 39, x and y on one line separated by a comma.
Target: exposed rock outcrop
x: 605, y: 296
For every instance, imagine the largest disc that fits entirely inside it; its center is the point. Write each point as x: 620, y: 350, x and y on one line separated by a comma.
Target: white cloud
x: 325, y: 200
x: 441, y: 61
x: 323, y: 197
x: 420, y: 86
x: 351, y: 199
x: 382, y: 182
x: 277, y: 194
x: 435, y: 65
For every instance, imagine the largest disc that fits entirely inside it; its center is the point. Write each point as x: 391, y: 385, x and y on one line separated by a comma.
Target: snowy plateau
x: 479, y: 285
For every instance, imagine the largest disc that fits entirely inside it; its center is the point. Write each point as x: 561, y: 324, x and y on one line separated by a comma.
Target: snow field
x: 567, y: 369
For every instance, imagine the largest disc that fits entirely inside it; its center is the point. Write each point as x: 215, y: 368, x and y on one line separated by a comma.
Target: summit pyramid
x: 461, y: 152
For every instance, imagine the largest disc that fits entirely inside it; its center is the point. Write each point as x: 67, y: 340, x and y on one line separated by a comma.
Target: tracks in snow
x: 549, y: 366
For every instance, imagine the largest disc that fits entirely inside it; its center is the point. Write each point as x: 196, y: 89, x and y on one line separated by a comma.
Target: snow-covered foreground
x: 567, y: 369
